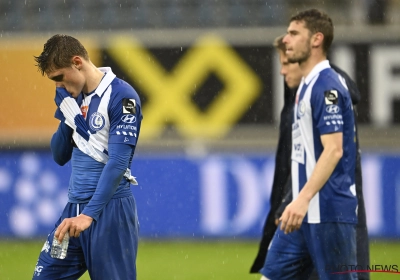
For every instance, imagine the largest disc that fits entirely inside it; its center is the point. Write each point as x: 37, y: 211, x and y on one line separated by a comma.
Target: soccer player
x: 100, y: 216
x: 317, y: 229
x: 281, y: 189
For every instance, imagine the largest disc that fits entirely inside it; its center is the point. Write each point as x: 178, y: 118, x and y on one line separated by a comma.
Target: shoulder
x: 351, y: 85
x: 121, y: 91
x: 329, y: 80
x: 330, y: 89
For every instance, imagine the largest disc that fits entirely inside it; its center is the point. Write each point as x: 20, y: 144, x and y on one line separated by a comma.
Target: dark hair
x: 279, y: 44
x: 58, y: 52
x: 317, y: 21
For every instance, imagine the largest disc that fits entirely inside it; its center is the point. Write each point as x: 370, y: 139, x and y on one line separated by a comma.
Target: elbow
x: 61, y: 151
x: 58, y: 156
x: 337, y: 153
x: 61, y: 155
x: 60, y: 160
x: 61, y: 163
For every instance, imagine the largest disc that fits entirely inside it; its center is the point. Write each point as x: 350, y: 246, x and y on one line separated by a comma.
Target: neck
x: 93, y: 78
x: 308, y: 65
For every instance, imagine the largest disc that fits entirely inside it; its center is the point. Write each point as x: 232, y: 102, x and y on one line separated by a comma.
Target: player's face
x: 291, y: 71
x: 69, y: 78
x: 298, y: 42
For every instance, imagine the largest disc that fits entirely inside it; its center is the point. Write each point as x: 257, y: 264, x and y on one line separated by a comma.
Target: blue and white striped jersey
x: 113, y: 114
x: 323, y: 105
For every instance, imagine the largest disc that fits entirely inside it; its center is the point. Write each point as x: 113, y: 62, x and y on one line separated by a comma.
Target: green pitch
x: 175, y: 260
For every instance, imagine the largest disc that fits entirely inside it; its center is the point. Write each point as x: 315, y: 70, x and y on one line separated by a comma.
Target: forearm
x: 322, y: 171
x: 61, y: 144
x: 110, y: 178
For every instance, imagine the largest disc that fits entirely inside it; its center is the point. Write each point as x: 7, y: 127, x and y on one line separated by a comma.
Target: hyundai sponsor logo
x: 332, y: 109
x: 128, y: 118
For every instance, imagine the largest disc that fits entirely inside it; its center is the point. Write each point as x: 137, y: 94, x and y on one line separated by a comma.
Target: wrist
x: 86, y: 217
x: 306, y: 195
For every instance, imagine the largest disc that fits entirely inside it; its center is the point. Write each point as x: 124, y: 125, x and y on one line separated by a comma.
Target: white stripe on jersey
x: 295, y: 181
x: 307, y: 135
x: 102, y: 134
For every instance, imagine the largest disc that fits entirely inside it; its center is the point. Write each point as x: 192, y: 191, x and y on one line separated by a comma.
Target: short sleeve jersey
x: 323, y: 106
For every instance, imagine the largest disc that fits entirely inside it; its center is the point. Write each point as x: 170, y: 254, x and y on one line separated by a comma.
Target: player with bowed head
x: 100, y: 117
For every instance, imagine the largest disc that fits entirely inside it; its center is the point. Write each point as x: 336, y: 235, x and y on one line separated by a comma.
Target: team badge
x: 128, y: 106
x: 331, y: 97
x: 301, y: 108
x: 97, y: 121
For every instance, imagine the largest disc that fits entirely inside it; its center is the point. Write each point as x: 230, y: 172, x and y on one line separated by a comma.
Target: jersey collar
x: 316, y: 70
x: 106, y: 81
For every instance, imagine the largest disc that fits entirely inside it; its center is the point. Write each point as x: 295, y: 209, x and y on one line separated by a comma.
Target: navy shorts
x: 324, y: 246
x: 107, y: 249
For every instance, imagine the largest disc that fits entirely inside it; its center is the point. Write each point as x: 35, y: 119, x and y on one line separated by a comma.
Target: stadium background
x: 209, y: 80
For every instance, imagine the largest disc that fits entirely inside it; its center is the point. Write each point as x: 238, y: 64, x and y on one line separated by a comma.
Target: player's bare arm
x: 294, y: 213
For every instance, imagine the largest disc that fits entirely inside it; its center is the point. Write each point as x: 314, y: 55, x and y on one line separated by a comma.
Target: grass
x: 181, y: 260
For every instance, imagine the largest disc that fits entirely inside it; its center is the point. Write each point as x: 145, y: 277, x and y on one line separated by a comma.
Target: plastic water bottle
x: 59, y: 251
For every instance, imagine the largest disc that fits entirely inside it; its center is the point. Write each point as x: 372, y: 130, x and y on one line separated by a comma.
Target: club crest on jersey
x: 301, y: 110
x: 128, y: 106
x: 97, y: 121
x: 331, y: 97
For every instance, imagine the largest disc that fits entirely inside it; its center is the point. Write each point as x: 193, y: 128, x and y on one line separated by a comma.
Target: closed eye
x: 57, y: 78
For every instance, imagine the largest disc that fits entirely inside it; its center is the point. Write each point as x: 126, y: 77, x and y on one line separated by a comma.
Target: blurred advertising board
x: 200, y: 83
x: 215, y: 196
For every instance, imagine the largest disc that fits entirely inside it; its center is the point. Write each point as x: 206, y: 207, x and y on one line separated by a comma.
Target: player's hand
x: 73, y: 225
x: 293, y: 215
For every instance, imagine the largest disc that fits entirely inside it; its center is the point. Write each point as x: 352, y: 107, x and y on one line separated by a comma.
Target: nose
x: 285, y: 39
x: 283, y: 71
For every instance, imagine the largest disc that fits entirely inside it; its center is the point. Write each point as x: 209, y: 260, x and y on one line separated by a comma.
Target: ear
x: 77, y: 62
x: 317, y: 39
